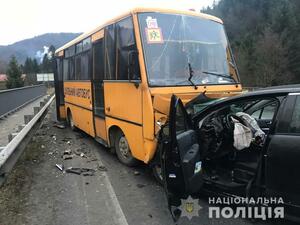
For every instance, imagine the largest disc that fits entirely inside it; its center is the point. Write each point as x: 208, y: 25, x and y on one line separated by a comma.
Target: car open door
x: 181, y: 160
x: 283, y: 155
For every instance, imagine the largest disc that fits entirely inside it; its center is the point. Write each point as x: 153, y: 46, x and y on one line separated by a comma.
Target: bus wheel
x: 71, y: 121
x: 157, y: 173
x: 123, y: 150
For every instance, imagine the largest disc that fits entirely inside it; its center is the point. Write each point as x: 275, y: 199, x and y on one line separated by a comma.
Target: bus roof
x: 137, y: 10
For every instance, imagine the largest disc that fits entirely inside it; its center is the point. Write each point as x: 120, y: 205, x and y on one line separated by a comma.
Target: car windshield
x: 179, y: 47
x: 199, y: 103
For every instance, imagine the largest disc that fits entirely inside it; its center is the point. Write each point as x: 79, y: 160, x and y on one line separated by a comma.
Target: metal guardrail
x: 12, y: 99
x: 11, y: 152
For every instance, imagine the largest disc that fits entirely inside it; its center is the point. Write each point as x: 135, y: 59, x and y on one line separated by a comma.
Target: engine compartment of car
x: 226, y: 164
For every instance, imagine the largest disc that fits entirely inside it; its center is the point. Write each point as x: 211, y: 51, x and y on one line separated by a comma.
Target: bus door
x: 98, y: 91
x: 59, y: 89
x: 122, y: 85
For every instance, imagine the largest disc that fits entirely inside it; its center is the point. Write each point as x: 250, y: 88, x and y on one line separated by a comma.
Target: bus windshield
x: 185, y: 50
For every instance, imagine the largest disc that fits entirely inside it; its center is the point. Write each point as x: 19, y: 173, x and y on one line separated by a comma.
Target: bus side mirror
x: 133, y: 67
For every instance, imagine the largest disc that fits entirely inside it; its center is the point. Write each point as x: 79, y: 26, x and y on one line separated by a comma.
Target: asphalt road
x: 37, y: 192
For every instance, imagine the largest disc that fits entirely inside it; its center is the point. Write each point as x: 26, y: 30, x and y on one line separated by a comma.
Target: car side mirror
x: 133, y: 68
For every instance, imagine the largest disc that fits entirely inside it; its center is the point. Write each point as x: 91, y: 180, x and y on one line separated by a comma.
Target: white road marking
x: 119, y: 216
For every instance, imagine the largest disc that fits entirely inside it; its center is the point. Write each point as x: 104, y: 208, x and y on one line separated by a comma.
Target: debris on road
x: 66, y: 139
x: 79, y: 171
x: 136, y: 173
x: 80, y: 153
x: 102, y: 168
x: 66, y: 157
x: 89, y: 172
x: 77, y: 152
x: 92, y: 160
x: 140, y: 185
x: 60, y: 126
x: 74, y: 170
x: 83, y: 155
x: 60, y: 167
x: 42, y: 146
x: 67, y: 154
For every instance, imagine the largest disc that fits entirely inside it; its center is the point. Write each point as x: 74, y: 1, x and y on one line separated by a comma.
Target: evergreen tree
x: 52, y: 51
x: 52, y: 58
x: 265, y: 37
x: 27, y: 68
x: 35, y: 66
x: 3, y: 66
x: 46, y: 64
x: 30, y: 72
x: 48, y: 60
x: 14, y: 73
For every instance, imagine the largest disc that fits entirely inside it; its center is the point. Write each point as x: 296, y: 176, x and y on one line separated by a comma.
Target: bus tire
x: 123, y: 150
x: 71, y: 121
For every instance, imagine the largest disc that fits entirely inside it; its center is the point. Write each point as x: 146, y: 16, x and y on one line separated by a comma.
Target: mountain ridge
x: 34, y: 47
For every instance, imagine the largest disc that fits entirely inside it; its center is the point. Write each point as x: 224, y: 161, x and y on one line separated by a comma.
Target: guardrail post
x: 11, y: 136
x: 20, y: 127
x: 42, y: 103
x: 27, y: 118
x: 36, y: 109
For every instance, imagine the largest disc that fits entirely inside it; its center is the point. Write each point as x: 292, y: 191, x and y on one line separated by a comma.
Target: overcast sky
x: 21, y: 19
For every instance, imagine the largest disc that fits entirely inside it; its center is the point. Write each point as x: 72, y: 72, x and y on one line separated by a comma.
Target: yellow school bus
x: 115, y: 82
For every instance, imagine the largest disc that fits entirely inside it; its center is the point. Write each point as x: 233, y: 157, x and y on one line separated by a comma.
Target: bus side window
x: 66, y: 69
x: 71, y: 68
x: 83, y: 60
x: 98, y: 62
x: 83, y: 66
x: 77, y: 67
x: 98, y: 77
x: 110, y: 52
x: 69, y: 64
x: 126, y: 48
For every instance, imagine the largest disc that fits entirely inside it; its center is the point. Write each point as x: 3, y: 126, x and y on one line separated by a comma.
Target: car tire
x: 123, y: 150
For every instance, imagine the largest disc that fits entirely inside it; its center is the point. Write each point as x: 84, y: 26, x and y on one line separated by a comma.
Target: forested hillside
x: 265, y: 38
